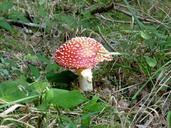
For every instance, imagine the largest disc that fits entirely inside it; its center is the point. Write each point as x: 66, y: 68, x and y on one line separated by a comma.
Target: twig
x: 21, y: 24
x: 102, y: 9
x: 105, y: 40
x: 118, y: 21
x: 123, y: 9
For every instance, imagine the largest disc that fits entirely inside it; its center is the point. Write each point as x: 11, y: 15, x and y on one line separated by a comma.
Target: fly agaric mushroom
x: 82, y: 54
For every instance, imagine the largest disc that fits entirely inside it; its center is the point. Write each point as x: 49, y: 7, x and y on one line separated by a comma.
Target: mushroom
x: 82, y: 54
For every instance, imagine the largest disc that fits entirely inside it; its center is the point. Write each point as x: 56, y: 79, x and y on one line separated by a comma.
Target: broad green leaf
x: 38, y: 87
x: 34, y: 71
x: 19, y: 91
x: 5, y: 5
x: 85, y: 120
x: 152, y: 62
x: 169, y: 119
x: 13, y: 90
x: 21, y: 100
x: 52, y: 67
x: 94, y: 105
x: 64, y: 98
x: 92, y: 108
x: 5, y: 25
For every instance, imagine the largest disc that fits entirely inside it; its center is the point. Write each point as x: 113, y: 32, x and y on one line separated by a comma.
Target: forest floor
x: 132, y: 91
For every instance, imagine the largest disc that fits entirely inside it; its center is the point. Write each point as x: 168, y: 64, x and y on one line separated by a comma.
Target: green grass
x: 131, y: 91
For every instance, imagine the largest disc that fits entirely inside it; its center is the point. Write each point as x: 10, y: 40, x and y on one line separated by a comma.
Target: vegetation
x: 134, y: 90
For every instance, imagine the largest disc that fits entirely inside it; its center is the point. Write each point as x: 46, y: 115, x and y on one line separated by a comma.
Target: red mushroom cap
x: 81, y: 53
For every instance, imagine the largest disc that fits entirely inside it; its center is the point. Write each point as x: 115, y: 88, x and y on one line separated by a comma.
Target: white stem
x: 85, y: 80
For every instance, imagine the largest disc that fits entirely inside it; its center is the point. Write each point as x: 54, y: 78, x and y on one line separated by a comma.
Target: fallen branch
x: 118, y: 21
x: 123, y: 9
x: 110, y: 6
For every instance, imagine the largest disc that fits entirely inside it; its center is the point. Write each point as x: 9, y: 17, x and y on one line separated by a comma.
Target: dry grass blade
x: 10, y: 109
x: 150, y: 98
x: 17, y: 121
x: 4, y: 126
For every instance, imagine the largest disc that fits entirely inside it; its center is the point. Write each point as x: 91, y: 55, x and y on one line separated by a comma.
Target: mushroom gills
x: 85, y: 80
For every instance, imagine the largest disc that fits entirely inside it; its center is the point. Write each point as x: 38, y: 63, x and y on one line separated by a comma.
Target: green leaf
x: 69, y: 123
x: 34, y: 71
x: 169, y: 119
x: 5, y: 25
x: 92, y: 108
x: 52, y: 67
x: 86, y: 120
x: 21, y: 100
x: 166, y: 44
x: 30, y: 57
x: 43, y: 58
x: 87, y: 14
x: 13, y: 90
x: 144, y: 35
x: 5, y: 5
x: 38, y: 87
x: 19, y: 91
x: 94, y: 105
x: 64, y: 98
x: 151, y: 61
x: 18, y: 15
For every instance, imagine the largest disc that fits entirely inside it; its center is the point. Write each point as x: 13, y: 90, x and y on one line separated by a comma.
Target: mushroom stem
x: 85, y: 80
